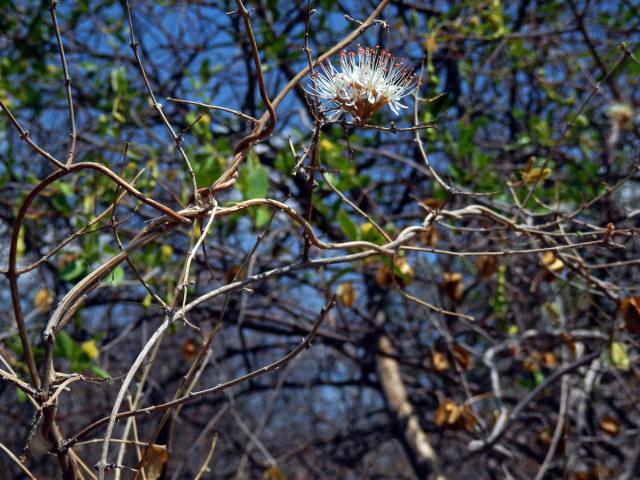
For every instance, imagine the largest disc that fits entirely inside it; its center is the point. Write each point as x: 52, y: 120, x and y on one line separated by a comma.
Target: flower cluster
x: 368, y: 80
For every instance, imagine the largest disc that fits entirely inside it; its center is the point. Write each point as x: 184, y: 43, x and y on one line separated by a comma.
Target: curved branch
x: 304, y: 344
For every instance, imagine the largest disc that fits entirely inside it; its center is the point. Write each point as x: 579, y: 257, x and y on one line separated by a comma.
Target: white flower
x: 368, y: 81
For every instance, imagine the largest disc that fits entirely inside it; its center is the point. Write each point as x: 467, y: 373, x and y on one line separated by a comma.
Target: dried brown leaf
x: 189, y: 349
x: 610, y: 425
x: 462, y: 356
x: 440, y: 361
x: 153, y: 466
x: 453, y: 286
x: 43, y: 299
x: 346, y: 294
x: 630, y: 309
x: 487, y: 265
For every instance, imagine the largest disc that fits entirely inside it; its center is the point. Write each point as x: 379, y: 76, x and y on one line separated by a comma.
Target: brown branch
x: 67, y: 85
x: 304, y: 344
x: 158, y: 106
x: 237, y: 113
x: 24, y: 135
x: 259, y: 132
x: 15, y: 459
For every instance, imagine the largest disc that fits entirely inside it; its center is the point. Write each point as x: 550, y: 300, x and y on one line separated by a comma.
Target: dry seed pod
x: 454, y: 416
x: 536, y: 175
x: 384, y: 276
x: 440, y: 361
x: 405, y: 270
x: 549, y: 359
x: 610, y: 425
x: 569, y: 341
x: 188, y: 350
x: 621, y: 113
x: 43, y: 299
x: 402, y: 274
x: 553, y: 265
x: 462, y: 357
x: 447, y: 414
x: 487, y: 265
x: 154, y: 465
x: 630, y: 309
x: 346, y: 294
x: 232, y: 273
x: 453, y: 286
x: 432, y: 203
x: 429, y: 237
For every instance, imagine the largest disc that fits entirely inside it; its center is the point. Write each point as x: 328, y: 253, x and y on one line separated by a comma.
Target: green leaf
x: 66, y: 189
x: 61, y: 204
x: 73, y: 271
x: 538, y: 376
x: 116, y: 276
x: 146, y: 302
x: 369, y: 233
x: 284, y: 162
x: 21, y: 246
x: 619, y: 356
x: 254, y: 180
x: 263, y: 214
x: 22, y: 397
x: 333, y: 155
x: 65, y: 346
x: 205, y: 71
x: 207, y: 165
x: 99, y: 371
x: 119, y: 80
x: 349, y: 228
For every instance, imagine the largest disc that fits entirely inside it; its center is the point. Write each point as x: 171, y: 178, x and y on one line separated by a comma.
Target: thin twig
x: 110, y: 420
x: 205, y: 465
x: 158, y: 106
x: 67, y: 85
x: 22, y: 466
x: 214, y: 107
x: 24, y: 135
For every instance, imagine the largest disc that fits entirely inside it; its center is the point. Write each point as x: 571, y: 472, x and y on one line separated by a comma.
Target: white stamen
x: 366, y: 82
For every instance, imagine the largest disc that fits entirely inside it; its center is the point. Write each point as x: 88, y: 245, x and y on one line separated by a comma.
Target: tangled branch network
x: 368, y: 81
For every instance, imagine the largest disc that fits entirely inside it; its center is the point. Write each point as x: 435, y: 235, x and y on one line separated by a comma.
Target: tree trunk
x: 416, y: 443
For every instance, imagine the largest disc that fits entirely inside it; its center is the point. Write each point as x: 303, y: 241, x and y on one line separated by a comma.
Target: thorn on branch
x: 235, y: 12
